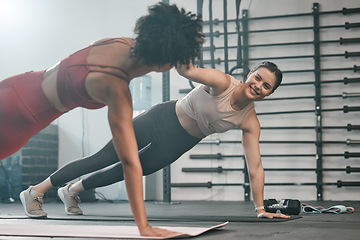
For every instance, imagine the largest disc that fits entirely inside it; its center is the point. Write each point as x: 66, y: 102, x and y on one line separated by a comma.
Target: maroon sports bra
x: 72, y: 75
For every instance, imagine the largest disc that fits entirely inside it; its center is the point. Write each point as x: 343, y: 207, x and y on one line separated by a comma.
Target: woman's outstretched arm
x: 217, y: 80
x: 250, y: 141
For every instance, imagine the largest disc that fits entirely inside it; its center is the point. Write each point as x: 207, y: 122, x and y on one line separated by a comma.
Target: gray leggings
x: 161, y: 140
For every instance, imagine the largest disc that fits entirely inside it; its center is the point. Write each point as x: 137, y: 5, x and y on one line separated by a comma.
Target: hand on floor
x: 158, y: 232
x: 272, y: 215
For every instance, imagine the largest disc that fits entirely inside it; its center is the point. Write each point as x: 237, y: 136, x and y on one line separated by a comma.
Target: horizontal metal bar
x: 220, y: 156
x: 191, y: 185
x: 341, y: 41
x: 355, y: 68
x: 347, y: 25
x: 220, y: 169
x: 351, y: 25
x: 346, y: 55
x: 343, y: 95
x: 347, y: 184
x: 209, y: 184
x: 281, y: 57
x: 351, y: 109
x: 294, y: 98
x: 282, y: 29
x: 345, y: 81
x: 346, y: 95
x: 349, y: 142
x: 344, y: 11
x: 211, y: 170
x: 349, y: 40
x: 348, y: 127
x: 286, y: 112
x: 284, y: 44
x: 280, y: 16
x: 351, y: 54
x: 345, y: 109
x: 218, y: 142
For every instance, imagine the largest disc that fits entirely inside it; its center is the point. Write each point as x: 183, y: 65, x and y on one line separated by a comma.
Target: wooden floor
x: 243, y: 223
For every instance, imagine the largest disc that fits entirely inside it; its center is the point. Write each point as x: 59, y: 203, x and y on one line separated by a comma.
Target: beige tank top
x: 214, y: 114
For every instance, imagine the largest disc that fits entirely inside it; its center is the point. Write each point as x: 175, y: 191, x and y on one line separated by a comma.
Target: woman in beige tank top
x: 261, y: 82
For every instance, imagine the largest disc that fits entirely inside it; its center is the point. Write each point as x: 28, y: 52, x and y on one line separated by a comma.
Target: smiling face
x: 260, y: 83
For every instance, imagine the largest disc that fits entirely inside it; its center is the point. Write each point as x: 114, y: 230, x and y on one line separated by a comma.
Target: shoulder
x: 100, y: 41
x: 233, y: 80
x: 126, y: 40
x: 251, y: 124
x: 223, y: 83
x: 226, y: 86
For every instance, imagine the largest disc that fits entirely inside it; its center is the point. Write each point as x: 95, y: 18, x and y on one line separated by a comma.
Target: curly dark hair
x: 167, y: 35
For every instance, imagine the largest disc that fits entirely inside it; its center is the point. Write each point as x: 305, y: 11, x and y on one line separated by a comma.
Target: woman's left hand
x: 271, y: 215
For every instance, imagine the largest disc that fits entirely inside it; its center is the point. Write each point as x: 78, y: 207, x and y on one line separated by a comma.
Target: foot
x: 71, y: 201
x: 32, y: 203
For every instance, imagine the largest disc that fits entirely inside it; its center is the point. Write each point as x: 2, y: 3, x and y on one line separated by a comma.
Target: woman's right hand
x: 157, y: 232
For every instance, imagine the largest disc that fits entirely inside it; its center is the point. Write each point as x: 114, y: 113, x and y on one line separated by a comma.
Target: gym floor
x: 243, y: 223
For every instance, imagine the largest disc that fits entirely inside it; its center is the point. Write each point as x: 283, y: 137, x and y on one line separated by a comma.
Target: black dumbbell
x: 286, y: 206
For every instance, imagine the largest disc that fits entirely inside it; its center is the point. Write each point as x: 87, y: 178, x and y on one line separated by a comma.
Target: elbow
x: 258, y: 172
x: 131, y: 166
x: 127, y: 162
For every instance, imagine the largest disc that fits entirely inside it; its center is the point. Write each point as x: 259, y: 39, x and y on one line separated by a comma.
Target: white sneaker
x: 32, y: 203
x: 71, y: 201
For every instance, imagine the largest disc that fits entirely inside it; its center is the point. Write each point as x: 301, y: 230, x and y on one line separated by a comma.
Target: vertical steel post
x: 166, y: 170
x: 319, y: 160
x: 247, y: 189
x: 211, y: 29
x: 200, y: 4
x: 226, y: 48
x: 245, y: 41
x: 245, y: 65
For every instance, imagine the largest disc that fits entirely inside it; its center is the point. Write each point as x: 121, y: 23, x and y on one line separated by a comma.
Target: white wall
x: 35, y: 34
x: 258, y: 8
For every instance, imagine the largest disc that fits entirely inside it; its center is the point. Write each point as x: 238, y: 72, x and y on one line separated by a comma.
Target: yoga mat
x: 93, y: 231
x: 97, y: 218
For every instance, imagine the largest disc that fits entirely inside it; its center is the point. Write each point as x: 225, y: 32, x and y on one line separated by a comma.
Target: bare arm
x: 116, y: 95
x: 217, y: 80
x: 250, y: 141
x: 120, y: 121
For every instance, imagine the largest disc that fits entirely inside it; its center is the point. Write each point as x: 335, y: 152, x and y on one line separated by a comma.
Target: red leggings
x: 24, y: 111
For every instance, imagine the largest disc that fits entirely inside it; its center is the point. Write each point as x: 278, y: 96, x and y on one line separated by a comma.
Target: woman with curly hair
x: 98, y: 76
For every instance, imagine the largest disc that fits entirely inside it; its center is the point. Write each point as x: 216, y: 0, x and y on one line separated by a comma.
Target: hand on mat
x: 271, y: 215
x: 158, y: 232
